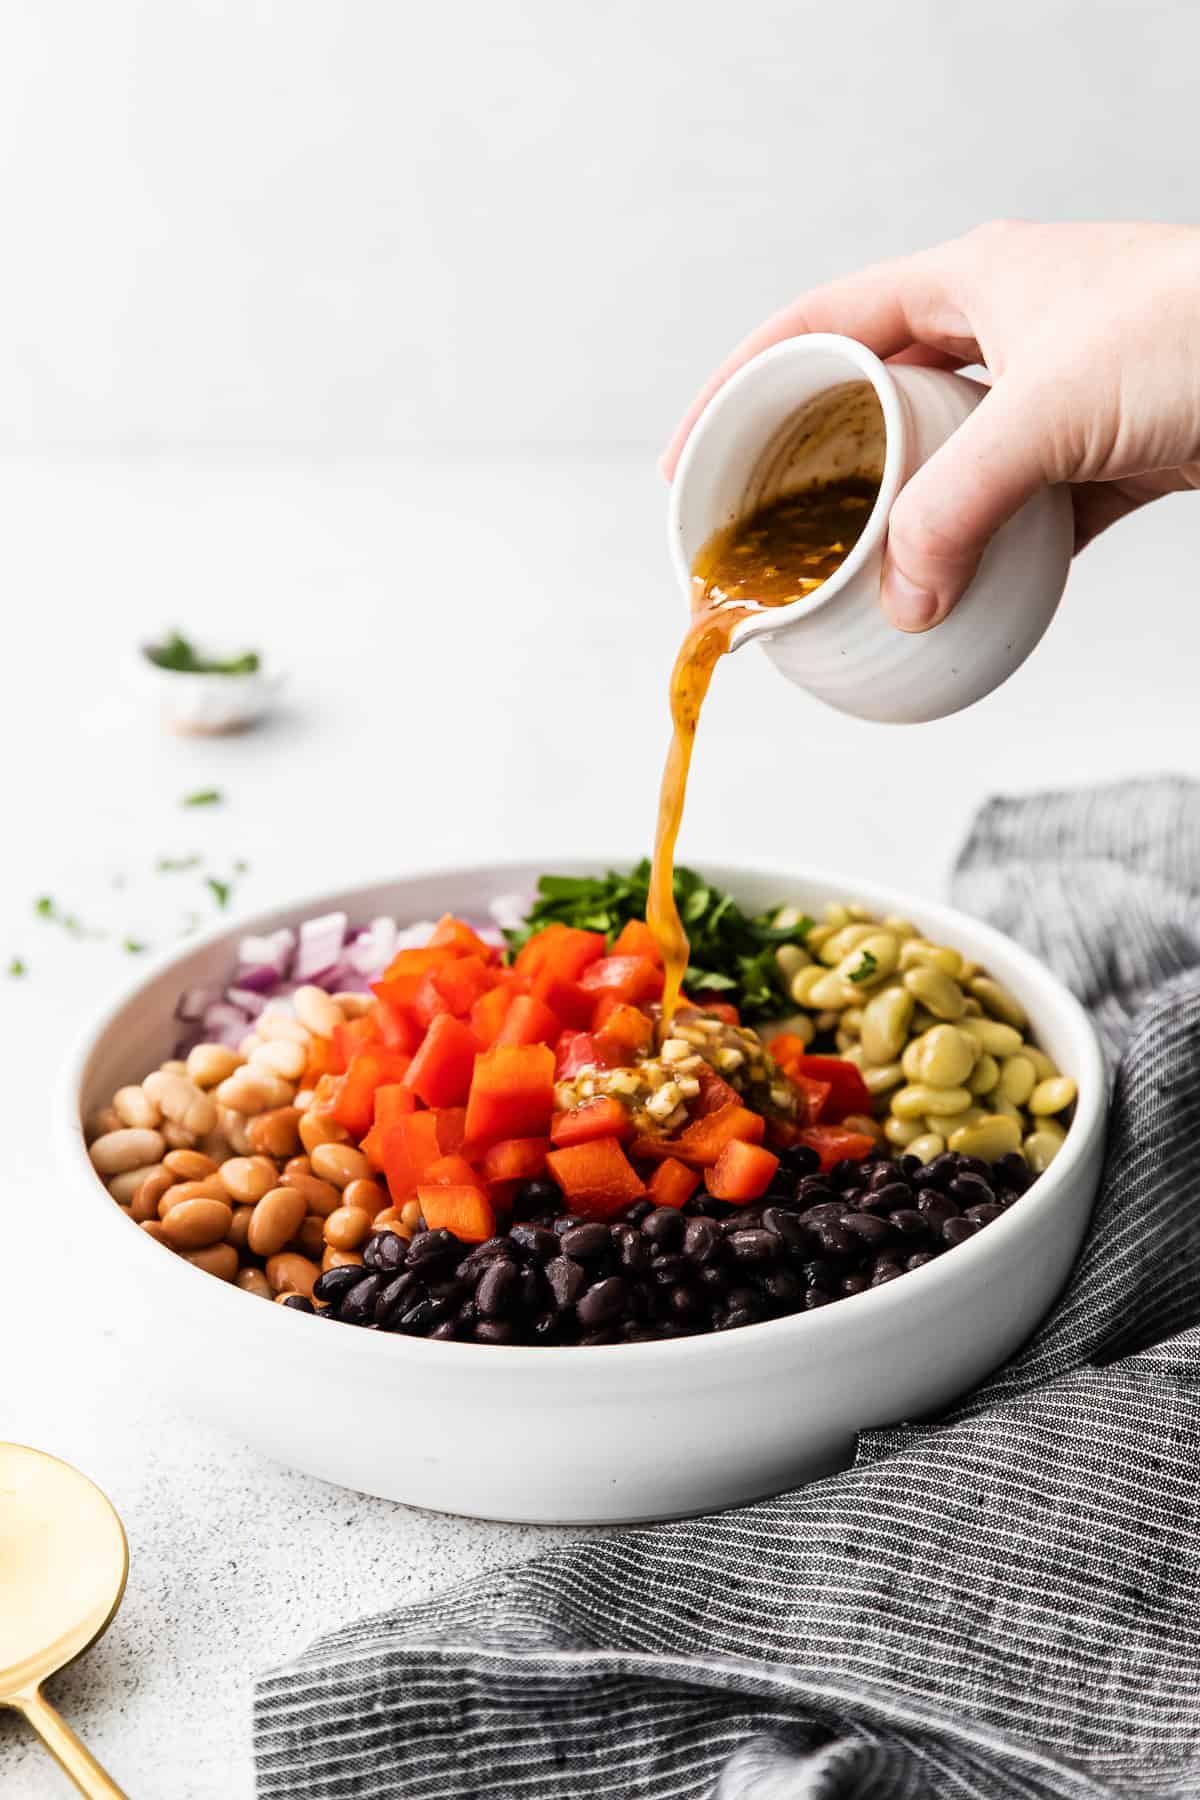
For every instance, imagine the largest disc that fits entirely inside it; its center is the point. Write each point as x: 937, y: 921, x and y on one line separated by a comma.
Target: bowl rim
x: 893, y: 1297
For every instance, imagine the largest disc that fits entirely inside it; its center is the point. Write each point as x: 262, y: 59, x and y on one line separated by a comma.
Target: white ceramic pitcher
x: 817, y: 407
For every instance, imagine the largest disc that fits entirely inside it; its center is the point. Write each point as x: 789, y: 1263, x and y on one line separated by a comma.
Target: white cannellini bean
x: 315, y: 1009
x: 182, y: 1101
x: 129, y: 1148
x: 280, y: 1057
x: 273, y: 1026
x: 133, y: 1106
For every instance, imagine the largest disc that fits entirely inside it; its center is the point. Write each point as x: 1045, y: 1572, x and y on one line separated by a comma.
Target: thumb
x: 945, y: 516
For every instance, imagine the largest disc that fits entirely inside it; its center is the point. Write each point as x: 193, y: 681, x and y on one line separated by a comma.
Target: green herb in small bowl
x: 181, y: 656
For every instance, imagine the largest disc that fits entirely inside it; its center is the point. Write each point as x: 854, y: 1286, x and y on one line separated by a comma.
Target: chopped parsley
x: 174, y: 865
x: 16, y: 968
x: 203, y: 797
x: 45, y: 908
x: 731, y: 951
x: 866, y: 968
x: 178, y: 654
x: 133, y: 946
x: 220, y: 890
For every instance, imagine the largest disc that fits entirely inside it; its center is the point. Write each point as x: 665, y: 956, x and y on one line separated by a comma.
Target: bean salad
x: 449, y: 1137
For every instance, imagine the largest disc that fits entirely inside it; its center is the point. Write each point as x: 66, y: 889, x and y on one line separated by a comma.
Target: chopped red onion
x: 225, y: 1023
x: 245, y: 999
x: 320, y: 946
x: 193, y: 1003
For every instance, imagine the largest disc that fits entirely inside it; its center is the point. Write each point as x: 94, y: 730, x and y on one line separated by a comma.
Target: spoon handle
x: 62, y: 1744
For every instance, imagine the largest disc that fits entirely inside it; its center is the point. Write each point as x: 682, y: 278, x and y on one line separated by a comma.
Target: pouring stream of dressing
x: 779, y: 553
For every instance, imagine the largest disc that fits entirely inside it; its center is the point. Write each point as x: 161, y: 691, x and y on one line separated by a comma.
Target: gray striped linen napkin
x: 1003, y: 1602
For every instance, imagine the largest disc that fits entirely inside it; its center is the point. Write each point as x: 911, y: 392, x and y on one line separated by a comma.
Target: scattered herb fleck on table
x: 203, y: 797
x: 180, y: 655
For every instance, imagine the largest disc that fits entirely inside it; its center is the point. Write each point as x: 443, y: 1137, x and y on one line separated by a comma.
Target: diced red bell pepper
x: 623, y: 1029
x: 409, y: 1146
x: 702, y: 1142
x: 321, y: 1061
x: 452, y: 1128
x: 597, y: 1179
x: 629, y: 978
x: 440, y: 1072
x: 398, y: 1026
x: 455, y: 988
x: 529, y: 1021
x: 489, y: 1012
x: 741, y: 1173
x: 782, y: 1133
x: 672, y: 1183
x: 813, y: 1098
x: 604, y: 1117
x: 452, y: 1171
x: 412, y: 965
x: 354, y: 1035
x: 563, y: 948
x: 354, y: 1102
x: 464, y: 1210
x: 564, y: 996
x: 453, y: 934
x: 834, y: 1145
x: 512, y: 1093
x: 717, y: 1009
x: 637, y: 939
x: 392, y: 1101
x: 714, y: 1093
x: 848, y: 1090
x: 515, y: 1159
x: 580, y: 1050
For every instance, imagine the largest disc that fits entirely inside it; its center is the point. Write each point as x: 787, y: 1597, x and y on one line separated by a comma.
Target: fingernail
x: 909, y: 607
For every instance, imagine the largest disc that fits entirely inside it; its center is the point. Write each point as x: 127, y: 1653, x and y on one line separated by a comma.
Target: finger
x: 946, y: 515
x: 887, y: 307
x: 926, y: 357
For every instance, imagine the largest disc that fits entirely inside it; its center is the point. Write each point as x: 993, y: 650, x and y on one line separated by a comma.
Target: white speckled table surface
x: 509, y: 630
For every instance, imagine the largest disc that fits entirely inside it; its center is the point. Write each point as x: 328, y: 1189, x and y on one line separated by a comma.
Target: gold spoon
x: 63, y: 1563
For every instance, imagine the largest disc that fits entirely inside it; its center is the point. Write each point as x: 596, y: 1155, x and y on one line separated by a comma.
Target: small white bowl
x: 606, y: 1434
x: 207, y: 704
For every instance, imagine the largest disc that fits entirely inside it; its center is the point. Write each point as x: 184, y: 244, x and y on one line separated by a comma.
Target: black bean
x: 685, y: 1301
x: 544, y: 1328
x: 845, y: 1173
x: 445, y: 1331
x: 664, y: 1226
x: 531, y: 1291
x: 602, y: 1302
x: 885, y: 1271
x: 1014, y: 1171
x: 432, y: 1246
x: 984, y: 1215
x: 700, y: 1206
x: 783, y: 1287
x: 817, y: 1297
x: 358, y: 1306
x: 566, y: 1280
x: 972, y: 1190
x: 668, y: 1268
x: 753, y: 1246
x: 497, y: 1292
x: 712, y: 1277
x: 395, y: 1297
x: 701, y: 1240
x: 801, y: 1159
x: 467, y: 1316
x: 639, y: 1209
x: 827, y: 1212
x: 786, y: 1226
x: 908, y: 1165
x: 535, y: 1241
x: 833, y: 1240
x: 300, y: 1303
x: 734, y: 1319
x: 330, y: 1286
x: 908, y: 1222
x: 384, y: 1252
x: 892, y: 1194
x: 919, y: 1260
x: 944, y: 1168
x: 493, y: 1331
x: 936, y: 1207
x: 634, y: 1252
x: 957, y: 1231
x: 419, y: 1319
x: 608, y: 1334
x: 867, y: 1228
x: 566, y: 1221
x: 855, y: 1284
x: 534, y: 1197
x: 585, y: 1242
x: 814, y: 1190
x: 819, y: 1274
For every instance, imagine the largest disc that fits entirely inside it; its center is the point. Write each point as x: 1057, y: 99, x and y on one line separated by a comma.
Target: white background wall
x: 364, y: 224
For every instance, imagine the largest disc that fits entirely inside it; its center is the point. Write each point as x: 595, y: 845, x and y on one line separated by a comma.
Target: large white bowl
x: 606, y: 1434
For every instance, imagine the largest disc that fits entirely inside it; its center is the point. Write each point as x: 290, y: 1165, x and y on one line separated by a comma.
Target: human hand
x: 1091, y: 336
